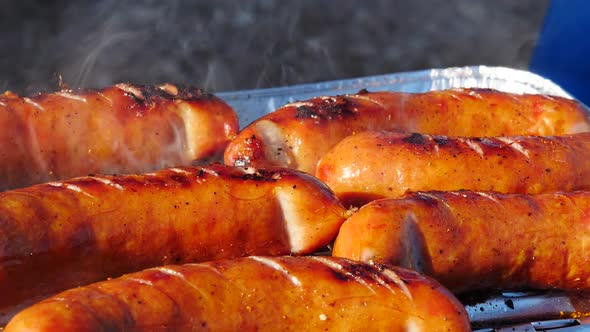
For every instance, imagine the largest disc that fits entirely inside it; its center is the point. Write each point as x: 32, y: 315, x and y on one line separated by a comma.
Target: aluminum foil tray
x: 251, y: 104
x: 490, y: 311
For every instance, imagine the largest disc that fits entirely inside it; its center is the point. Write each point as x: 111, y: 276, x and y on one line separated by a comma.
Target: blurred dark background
x: 228, y: 45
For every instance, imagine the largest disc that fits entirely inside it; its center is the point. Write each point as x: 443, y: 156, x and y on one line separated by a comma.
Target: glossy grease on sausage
x: 120, y: 129
x: 297, y: 135
x: 63, y: 234
x: 374, y: 165
x: 475, y: 240
x: 254, y: 294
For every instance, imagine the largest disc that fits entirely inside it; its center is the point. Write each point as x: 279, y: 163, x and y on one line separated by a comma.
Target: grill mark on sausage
x: 67, y: 94
x: 210, y: 267
x: 339, y: 269
x: 428, y: 200
x: 514, y: 145
x: 275, y: 265
x: 183, y: 180
x: 102, y: 95
x: 108, y: 182
x: 372, y: 272
x: 128, y: 316
x: 490, y: 197
x: 395, y: 278
x: 68, y: 302
x: 473, y: 145
x: 180, y: 171
x: 150, y: 284
x: 179, y: 275
x: 34, y: 104
x: 490, y: 142
x: 70, y: 186
x: 436, y: 198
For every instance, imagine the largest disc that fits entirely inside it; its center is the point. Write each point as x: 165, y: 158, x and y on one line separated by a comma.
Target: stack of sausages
x: 423, y: 196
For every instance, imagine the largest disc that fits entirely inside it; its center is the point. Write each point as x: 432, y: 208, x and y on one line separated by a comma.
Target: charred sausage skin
x: 120, y: 129
x: 64, y: 234
x: 254, y: 294
x: 475, y: 240
x: 374, y: 165
x: 297, y: 135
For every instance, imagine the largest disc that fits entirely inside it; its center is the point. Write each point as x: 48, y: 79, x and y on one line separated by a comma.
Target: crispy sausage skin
x: 473, y: 240
x: 374, y: 165
x: 63, y: 234
x: 254, y: 294
x: 120, y: 129
x: 297, y: 135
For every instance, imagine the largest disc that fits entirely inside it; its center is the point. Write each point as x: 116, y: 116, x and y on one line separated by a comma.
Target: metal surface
x: 529, y: 309
x: 548, y: 311
x: 251, y: 104
x: 558, y: 325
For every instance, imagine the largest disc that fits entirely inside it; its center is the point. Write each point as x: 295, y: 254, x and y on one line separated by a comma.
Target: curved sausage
x: 297, y: 135
x: 120, y: 129
x: 374, y: 165
x: 63, y: 234
x: 254, y: 294
x: 475, y: 240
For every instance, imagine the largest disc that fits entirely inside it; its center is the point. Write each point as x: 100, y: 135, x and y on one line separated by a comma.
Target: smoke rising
x: 227, y: 45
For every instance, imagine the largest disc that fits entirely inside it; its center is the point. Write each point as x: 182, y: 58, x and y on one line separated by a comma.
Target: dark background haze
x: 229, y: 45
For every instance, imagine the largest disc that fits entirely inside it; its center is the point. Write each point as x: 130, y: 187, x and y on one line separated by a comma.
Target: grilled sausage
x: 254, y: 294
x: 63, y: 234
x: 374, y: 165
x: 474, y: 240
x: 120, y: 129
x: 299, y: 134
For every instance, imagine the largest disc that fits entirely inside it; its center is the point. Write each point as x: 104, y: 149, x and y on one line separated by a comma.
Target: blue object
x: 562, y: 53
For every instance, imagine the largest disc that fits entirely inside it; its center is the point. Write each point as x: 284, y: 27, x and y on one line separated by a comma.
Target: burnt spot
x: 441, y: 140
x: 481, y: 91
x: 362, y: 92
x: 327, y: 109
x: 415, y: 138
x: 149, y: 93
x: 251, y: 139
x: 304, y: 112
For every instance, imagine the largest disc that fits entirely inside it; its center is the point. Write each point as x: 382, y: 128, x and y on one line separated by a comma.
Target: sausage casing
x: 254, y: 294
x: 63, y: 234
x: 374, y: 165
x: 120, y: 129
x: 474, y: 240
x: 297, y: 135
